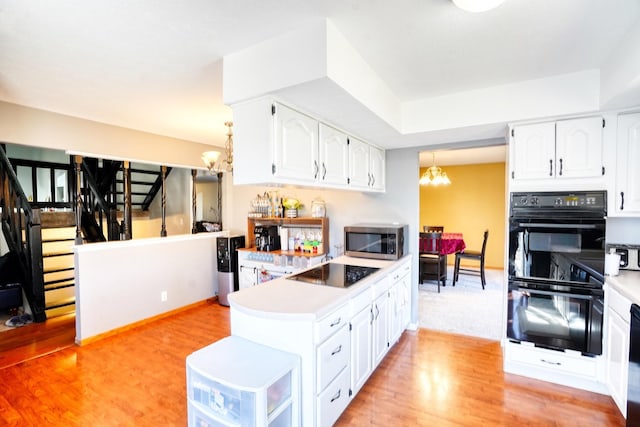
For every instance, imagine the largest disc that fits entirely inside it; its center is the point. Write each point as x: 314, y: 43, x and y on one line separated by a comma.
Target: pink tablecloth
x: 451, y: 243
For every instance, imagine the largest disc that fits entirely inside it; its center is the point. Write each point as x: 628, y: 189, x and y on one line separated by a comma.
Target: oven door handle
x: 552, y: 293
x: 548, y: 225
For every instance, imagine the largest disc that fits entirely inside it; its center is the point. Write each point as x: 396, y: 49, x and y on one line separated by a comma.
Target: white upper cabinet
x: 296, y: 146
x: 366, y: 166
x: 376, y: 168
x: 579, y: 147
x: 565, y: 149
x: 334, y: 156
x: 358, y: 164
x: 275, y: 144
x: 627, y: 187
x: 534, y: 150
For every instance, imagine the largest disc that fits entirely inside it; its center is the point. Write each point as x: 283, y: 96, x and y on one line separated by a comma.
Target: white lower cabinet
x: 332, y: 357
x: 332, y: 402
x: 247, y: 276
x: 361, y: 348
x: 617, y: 347
x: 380, y: 327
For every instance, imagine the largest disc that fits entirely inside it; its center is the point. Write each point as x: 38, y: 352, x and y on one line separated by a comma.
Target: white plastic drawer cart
x: 236, y: 382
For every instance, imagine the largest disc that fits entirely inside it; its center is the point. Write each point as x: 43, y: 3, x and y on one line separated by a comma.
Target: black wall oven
x: 556, y: 270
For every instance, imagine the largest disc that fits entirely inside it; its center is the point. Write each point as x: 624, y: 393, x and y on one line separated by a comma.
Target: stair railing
x: 22, y: 231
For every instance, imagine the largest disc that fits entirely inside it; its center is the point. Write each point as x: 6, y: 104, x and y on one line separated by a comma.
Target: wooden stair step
x: 61, y: 303
x: 59, y: 284
x: 56, y: 254
x: 58, y: 270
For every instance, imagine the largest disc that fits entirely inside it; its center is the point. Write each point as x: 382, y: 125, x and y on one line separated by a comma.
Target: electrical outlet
x: 163, y: 296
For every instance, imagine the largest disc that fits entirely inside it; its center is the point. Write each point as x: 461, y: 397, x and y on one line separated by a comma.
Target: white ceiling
x: 156, y: 65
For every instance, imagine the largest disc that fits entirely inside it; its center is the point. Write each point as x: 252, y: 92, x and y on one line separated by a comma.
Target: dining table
x: 450, y: 243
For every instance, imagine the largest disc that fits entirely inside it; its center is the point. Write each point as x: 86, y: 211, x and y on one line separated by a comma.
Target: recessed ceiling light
x: 477, y: 5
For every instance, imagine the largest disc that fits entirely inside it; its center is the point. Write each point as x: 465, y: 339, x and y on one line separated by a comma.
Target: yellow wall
x: 474, y: 201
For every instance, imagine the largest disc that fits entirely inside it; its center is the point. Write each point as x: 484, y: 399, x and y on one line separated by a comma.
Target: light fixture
x: 477, y: 5
x: 434, y: 175
x: 210, y: 158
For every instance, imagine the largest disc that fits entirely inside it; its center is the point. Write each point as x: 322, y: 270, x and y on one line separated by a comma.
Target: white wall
x: 39, y: 128
x: 119, y: 283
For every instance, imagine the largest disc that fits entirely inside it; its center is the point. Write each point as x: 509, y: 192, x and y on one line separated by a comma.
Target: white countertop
x: 627, y: 283
x: 283, y: 298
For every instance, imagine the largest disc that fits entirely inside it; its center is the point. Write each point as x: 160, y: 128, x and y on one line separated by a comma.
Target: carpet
x: 464, y: 309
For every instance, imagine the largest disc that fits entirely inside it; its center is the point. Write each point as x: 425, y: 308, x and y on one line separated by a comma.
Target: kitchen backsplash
x: 623, y: 230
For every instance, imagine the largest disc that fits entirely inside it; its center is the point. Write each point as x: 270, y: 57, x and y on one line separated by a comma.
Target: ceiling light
x: 434, y: 175
x: 477, y: 5
x: 210, y: 158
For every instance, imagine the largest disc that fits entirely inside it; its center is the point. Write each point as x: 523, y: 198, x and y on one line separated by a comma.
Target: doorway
x: 474, y: 201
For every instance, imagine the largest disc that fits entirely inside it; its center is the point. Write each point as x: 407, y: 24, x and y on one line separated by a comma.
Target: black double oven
x: 556, y: 270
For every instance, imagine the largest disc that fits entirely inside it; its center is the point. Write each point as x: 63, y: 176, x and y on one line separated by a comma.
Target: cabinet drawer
x: 619, y: 304
x: 333, y: 401
x: 198, y: 417
x: 332, y: 356
x: 553, y: 360
x: 330, y: 324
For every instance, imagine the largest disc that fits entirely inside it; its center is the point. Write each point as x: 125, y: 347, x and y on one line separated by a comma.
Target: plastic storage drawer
x: 236, y: 382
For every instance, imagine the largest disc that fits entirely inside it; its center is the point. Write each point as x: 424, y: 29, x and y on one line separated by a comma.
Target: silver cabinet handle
x: 560, y: 167
x: 336, y: 396
x: 315, y: 167
x: 550, y: 362
x: 337, y: 350
x: 324, y: 171
x: 550, y: 167
x: 336, y: 322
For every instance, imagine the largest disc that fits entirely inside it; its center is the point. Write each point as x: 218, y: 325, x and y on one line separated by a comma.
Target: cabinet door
x: 358, y: 164
x: 296, y: 145
x: 380, y: 327
x: 618, y: 359
x: 534, y: 151
x: 376, y: 168
x: 395, y: 313
x: 579, y: 148
x: 404, y: 294
x: 334, y: 156
x: 247, y: 277
x: 627, y: 196
x: 361, y: 348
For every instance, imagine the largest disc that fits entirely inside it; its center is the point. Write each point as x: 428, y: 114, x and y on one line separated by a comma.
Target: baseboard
x: 144, y: 322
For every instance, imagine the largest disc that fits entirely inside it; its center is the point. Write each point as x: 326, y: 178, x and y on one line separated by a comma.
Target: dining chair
x: 472, y: 256
x: 432, y: 264
x: 433, y: 229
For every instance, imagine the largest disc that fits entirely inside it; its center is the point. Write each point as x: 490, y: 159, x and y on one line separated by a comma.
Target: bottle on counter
x: 284, y: 238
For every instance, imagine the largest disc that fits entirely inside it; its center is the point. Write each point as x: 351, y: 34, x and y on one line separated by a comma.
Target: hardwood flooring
x: 137, y: 378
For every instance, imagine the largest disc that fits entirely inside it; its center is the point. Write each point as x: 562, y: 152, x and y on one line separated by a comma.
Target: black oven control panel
x: 588, y: 200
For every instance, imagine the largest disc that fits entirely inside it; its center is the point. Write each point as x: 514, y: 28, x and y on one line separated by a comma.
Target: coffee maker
x: 267, y: 238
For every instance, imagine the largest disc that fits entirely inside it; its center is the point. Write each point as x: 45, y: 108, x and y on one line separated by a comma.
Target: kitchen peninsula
x: 340, y: 332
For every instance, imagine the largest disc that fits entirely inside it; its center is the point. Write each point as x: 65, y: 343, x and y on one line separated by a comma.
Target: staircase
x: 58, y: 238
x: 104, y: 184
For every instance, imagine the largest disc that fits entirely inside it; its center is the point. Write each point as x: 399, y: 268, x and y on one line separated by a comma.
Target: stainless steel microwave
x: 377, y: 241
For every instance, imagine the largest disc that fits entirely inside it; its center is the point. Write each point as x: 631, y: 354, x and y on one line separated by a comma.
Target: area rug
x: 465, y: 308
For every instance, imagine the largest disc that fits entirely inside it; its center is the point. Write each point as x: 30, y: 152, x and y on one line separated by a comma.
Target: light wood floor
x: 137, y: 378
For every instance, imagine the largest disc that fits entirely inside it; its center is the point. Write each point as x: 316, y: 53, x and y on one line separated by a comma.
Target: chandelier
x: 434, y: 175
x: 477, y: 5
x: 210, y: 158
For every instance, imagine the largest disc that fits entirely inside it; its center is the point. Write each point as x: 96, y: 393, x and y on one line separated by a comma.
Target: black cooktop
x: 336, y: 275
